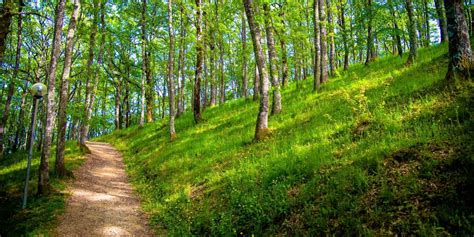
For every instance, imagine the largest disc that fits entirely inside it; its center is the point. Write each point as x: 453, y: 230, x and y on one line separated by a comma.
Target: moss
x: 262, y: 133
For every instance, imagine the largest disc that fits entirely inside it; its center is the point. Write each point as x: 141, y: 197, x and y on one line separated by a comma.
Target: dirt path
x: 102, y: 202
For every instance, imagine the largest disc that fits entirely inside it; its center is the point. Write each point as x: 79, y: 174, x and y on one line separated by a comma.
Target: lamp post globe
x: 38, y: 90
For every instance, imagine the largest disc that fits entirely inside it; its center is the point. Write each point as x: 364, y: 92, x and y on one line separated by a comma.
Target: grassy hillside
x: 41, y: 213
x: 380, y: 150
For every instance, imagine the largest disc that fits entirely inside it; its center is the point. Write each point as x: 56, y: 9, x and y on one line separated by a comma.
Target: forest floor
x: 381, y: 150
x: 41, y: 214
x: 102, y: 202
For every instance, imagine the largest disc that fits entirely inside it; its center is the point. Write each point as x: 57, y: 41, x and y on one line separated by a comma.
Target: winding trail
x: 102, y: 202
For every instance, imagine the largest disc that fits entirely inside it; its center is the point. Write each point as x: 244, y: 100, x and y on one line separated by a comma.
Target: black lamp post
x: 38, y: 90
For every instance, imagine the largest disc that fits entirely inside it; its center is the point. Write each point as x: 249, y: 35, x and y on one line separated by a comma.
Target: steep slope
x: 381, y: 149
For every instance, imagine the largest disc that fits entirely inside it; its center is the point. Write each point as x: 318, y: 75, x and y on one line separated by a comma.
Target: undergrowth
x: 380, y: 150
x: 40, y: 215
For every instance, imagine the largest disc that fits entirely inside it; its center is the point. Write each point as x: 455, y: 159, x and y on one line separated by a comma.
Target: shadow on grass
x: 41, y: 212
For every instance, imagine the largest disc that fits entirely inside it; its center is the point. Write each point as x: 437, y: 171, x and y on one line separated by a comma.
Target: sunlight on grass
x: 348, y: 159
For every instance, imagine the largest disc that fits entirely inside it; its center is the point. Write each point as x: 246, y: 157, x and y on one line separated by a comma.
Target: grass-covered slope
x: 40, y: 216
x: 380, y: 150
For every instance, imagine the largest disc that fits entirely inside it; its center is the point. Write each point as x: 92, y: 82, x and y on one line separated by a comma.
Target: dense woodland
x: 110, y: 65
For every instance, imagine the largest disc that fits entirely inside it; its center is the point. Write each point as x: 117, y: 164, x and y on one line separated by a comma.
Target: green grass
x: 40, y: 216
x: 379, y: 150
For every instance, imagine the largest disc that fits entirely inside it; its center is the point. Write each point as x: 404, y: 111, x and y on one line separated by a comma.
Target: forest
x: 236, y: 117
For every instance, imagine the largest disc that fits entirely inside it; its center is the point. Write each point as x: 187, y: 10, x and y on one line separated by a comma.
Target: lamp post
x: 38, y: 90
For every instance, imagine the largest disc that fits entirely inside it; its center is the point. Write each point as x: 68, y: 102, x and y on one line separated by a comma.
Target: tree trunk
x: 370, y: 38
x: 441, y: 20
x: 244, y: 57
x: 411, y: 32
x: 64, y: 91
x: 256, y: 84
x: 276, y: 104
x: 104, y: 105
x: 284, y: 62
x: 308, y: 66
x: 221, y: 72
x: 97, y: 72
x: 144, y: 69
x: 323, y: 39
x: 181, y: 72
x: 284, y: 54
x: 170, y: 70
x: 43, y: 178
x: 120, y: 106
x: 118, y: 90
x: 149, y: 95
x: 75, y: 134
x: 426, y: 18
x: 261, y: 130
x: 126, y: 102
x: 199, y: 61
x: 211, y: 79
x: 342, y: 24
x: 396, y: 36
x: 20, y: 132
x: 207, y: 77
x: 3, y: 122
x: 5, y: 21
x: 163, y: 99
x: 460, y: 53
x: 332, y: 43
x: 89, y: 84
x: 220, y: 43
x: 317, y: 47
x: 11, y: 85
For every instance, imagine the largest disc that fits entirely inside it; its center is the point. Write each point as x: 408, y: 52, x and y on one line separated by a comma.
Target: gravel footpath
x: 102, y: 202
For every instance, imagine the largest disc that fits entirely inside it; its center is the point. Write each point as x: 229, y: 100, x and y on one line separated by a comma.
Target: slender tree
x: 426, y: 23
x: 323, y: 39
x: 170, y: 70
x: 261, y: 130
x: 43, y: 177
x: 20, y: 130
x: 244, y: 57
x: 144, y: 65
x: 370, y: 55
x: 11, y: 85
x: 284, y: 53
x: 212, y: 28
x: 181, y: 77
x: 220, y: 45
x: 332, y: 42
x: 317, y: 47
x: 411, y: 32
x: 396, y: 35
x: 256, y: 83
x: 146, y: 68
x: 199, y: 62
x: 221, y: 71
x: 64, y: 91
x: 276, y: 103
x: 441, y: 20
x: 84, y: 132
x: 342, y: 25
